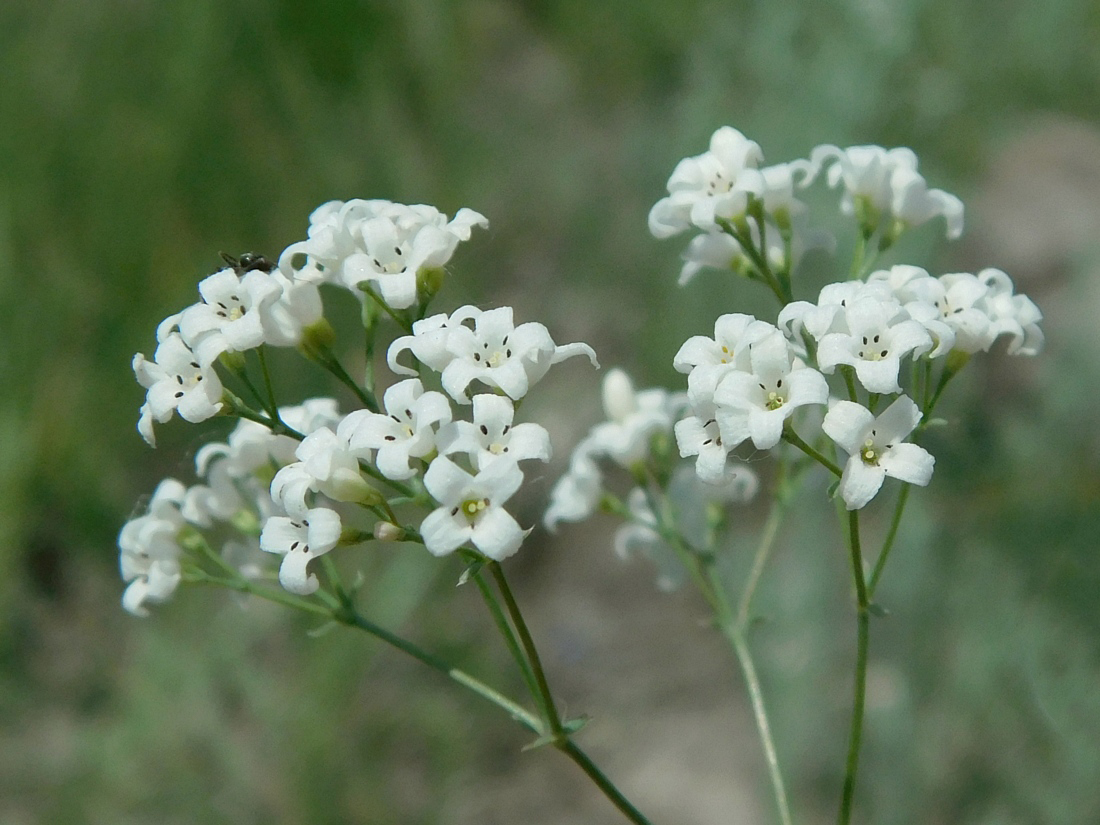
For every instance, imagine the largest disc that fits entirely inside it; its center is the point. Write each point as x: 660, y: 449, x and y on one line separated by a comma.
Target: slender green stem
x: 791, y: 437
x: 546, y: 699
x: 505, y: 630
x: 713, y: 590
x: 736, y: 638
x: 570, y: 749
x: 763, y: 550
x: 860, y: 688
x: 850, y: 382
x: 330, y: 362
x: 378, y: 299
x: 344, y: 613
x: 352, y: 618
x: 273, y: 407
x: 891, y: 534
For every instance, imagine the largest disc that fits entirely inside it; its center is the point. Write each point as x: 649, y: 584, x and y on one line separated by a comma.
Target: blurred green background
x: 138, y: 139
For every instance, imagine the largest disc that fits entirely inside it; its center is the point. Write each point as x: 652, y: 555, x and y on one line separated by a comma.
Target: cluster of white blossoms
x: 386, y: 246
x: 301, y: 482
x: 746, y: 383
x: 634, y: 437
x: 742, y: 208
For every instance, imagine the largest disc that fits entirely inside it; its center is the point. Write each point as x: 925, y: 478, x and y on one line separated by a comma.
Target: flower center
x: 873, y: 348
x: 869, y: 453
x: 473, y: 507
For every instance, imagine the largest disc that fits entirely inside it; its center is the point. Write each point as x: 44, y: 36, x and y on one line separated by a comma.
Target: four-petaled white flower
x: 875, y: 448
x: 708, y: 359
x: 699, y: 435
x: 576, y: 494
x: 299, y: 541
x: 149, y: 550
x: 492, y: 437
x: 407, y: 430
x: 230, y: 316
x: 472, y: 509
x: 754, y: 405
x: 1011, y: 314
x: 879, y: 335
x: 176, y: 382
x: 495, y: 351
x: 633, y: 418
x: 711, y: 186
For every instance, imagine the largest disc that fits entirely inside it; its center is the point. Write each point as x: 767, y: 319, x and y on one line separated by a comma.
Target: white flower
x: 495, y: 352
x: 887, y: 183
x: 149, y: 557
x: 778, y: 188
x: 1011, y: 314
x: 828, y: 315
x: 633, y: 418
x: 754, y: 405
x: 230, y: 316
x: 878, y: 337
x: 711, y: 250
x: 956, y: 302
x: 176, y: 382
x: 492, y: 437
x: 328, y: 464
x: 710, y: 186
x: 913, y: 203
x: 300, y: 541
x: 217, y: 500
x: 708, y: 359
x: 297, y: 307
x: 380, y: 242
x: 407, y: 430
x: 875, y: 448
x: 576, y: 494
x: 472, y: 509
x: 699, y: 435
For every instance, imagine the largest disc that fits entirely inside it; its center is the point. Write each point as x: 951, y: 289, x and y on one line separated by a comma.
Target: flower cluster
x: 750, y: 216
x: 636, y: 437
x: 746, y: 382
x: 298, y: 481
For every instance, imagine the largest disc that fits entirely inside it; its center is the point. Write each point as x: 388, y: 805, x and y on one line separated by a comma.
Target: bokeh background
x: 138, y: 139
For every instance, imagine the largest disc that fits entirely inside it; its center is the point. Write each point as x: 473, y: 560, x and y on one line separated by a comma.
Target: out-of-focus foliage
x: 138, y: 139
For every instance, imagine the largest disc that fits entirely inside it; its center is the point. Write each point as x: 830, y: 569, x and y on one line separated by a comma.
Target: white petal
x: 908, y: 462
x: 860, y: 482
x: 497, y: 535
x: 848, y: 424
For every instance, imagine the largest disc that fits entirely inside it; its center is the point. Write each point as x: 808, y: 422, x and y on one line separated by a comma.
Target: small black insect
x: 248, y: 262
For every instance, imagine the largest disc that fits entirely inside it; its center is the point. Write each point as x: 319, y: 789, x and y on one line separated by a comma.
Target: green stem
x: 763, y: 550
x: 860, y: 688
x: 546, y: 699
x: 880, y: 563
x: 736, y: 638
x: 505, y: 629
x: 791, y: 437
x: 713, y: 590
x: 330, y: 363
x: 352, y: 618
x: 374, y: 296
x: 570, y: 749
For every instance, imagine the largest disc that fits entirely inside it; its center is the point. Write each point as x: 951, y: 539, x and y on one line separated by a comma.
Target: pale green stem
x: 545, y: 698
x: 713, y: 590
x: 880, y: 563
x: 860, y: 687
x: 791, y: 437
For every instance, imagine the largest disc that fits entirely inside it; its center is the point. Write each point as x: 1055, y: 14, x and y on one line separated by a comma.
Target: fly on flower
x: 248, y: 262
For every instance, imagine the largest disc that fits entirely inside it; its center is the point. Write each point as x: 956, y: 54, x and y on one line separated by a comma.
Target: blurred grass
x: 139, y: 139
